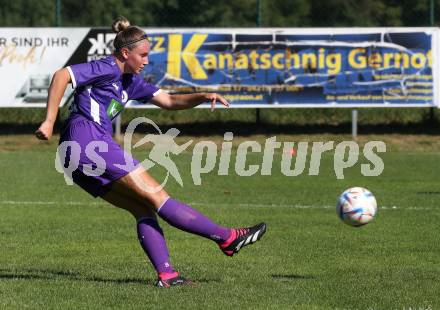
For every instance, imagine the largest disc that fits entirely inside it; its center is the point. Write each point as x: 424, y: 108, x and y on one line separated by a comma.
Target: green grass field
x: 62, y: 249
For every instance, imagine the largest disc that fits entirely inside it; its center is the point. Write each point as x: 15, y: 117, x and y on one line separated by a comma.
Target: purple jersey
x: 102, y: 91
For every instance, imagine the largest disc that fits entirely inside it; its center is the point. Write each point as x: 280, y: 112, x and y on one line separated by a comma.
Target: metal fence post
x: 354, y: 125
x: 58, y: 13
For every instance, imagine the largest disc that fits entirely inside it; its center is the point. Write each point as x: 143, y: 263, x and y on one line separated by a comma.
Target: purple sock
x: 186, y: 218
x: 153, y: 242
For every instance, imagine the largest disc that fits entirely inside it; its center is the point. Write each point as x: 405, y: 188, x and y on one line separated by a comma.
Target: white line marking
x: 207, y: 204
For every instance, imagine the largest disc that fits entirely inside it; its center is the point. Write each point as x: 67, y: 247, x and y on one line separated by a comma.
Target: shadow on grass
x: 291, y: 277
x: 48, y: 274
x: 428, y: 193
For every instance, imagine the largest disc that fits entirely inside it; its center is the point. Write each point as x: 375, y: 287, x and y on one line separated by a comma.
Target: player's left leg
x: 150, y: 236
x: 230, y: 241
x: 140, y: 186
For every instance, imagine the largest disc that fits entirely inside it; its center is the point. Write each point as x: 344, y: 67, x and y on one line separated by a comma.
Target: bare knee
x: 158, y: 199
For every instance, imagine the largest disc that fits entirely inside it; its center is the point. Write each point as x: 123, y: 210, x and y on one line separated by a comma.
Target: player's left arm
x: 187, y: 101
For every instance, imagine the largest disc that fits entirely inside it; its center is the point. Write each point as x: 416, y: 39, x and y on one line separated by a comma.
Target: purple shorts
x: 100, y: 159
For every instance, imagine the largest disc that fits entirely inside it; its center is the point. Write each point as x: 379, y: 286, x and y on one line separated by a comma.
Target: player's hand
x: 45, y: 131
x: 213, y: 98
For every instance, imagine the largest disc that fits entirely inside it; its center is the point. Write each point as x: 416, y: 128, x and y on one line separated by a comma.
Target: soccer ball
x: 356, y: 206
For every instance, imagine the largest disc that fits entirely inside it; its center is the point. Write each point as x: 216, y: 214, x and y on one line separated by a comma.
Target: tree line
x: 226, y: 13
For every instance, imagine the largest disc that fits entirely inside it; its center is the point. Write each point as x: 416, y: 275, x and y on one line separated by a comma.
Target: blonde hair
x: 127, y: 36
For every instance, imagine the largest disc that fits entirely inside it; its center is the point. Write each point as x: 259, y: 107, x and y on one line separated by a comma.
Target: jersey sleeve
x: 90, y: 73
x: 141, y: 90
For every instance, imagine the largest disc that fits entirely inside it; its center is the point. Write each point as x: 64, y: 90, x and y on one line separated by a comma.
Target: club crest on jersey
x: 114, y: 108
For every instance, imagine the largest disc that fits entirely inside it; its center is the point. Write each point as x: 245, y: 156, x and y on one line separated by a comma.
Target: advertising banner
x: 333, y: 67
x: 28, y: 59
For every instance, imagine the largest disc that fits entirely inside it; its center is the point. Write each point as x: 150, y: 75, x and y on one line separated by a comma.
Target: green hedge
x: 297, y: 117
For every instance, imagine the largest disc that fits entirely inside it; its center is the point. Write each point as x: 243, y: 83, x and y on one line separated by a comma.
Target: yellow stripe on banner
x: 174, y: 50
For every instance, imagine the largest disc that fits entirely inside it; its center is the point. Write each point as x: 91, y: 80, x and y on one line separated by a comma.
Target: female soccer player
x: 101, y: 88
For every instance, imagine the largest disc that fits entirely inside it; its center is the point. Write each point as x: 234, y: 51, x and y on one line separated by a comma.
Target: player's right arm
x: 57, y: 88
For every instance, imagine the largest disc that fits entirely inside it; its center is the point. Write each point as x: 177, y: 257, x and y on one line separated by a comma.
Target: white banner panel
x: 28, y: 59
